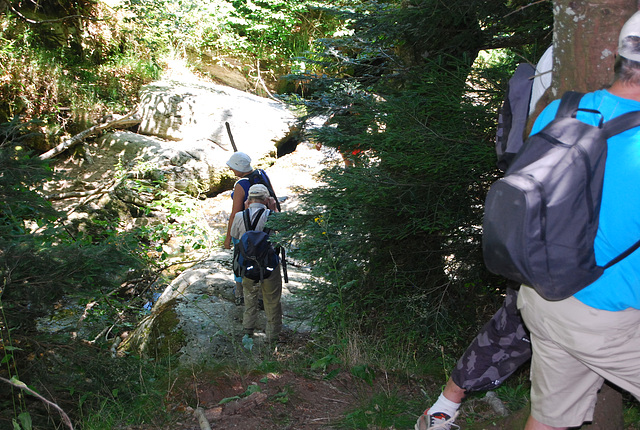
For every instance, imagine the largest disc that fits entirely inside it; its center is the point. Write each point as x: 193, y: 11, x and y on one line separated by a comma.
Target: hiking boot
x: 437, y: 421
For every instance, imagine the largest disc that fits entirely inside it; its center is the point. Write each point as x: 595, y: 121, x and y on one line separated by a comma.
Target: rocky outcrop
x: 198, y: 111
x: 181, y: 144
x: 196, y: 319
x: 183, y: 134
x: 194, y: 167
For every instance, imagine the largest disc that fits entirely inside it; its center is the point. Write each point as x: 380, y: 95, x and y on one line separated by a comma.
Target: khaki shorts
x: 576, y: 347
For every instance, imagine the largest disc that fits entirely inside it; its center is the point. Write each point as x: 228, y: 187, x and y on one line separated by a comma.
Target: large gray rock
x: 195, y: 167
x: 183, y: 138
x: 198, y: 112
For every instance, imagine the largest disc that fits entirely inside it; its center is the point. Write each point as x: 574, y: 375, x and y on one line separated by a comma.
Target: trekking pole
x: 233, y: 143
x: 284, y: 265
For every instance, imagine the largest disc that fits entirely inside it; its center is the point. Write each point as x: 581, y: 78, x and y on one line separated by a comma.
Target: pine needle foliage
x: 395, y: 238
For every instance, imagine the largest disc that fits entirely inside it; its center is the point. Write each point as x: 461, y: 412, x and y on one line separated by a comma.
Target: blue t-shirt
x: 619, y: 227
x: 245, y: 184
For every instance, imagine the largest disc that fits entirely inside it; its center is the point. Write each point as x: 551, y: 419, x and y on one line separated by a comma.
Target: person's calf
x: 453, y: 392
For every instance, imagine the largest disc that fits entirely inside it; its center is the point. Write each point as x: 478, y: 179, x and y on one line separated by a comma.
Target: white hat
x: 240, y: 161
x: 258, y: 191
x: 630, y: 28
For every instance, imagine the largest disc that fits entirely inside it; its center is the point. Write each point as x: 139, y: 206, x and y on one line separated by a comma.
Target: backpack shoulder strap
x: 624, y: 255
x: 247, y: 220
x: 569, y: 104
x: 263, y: 176
x: 266, y: 229
x: 612, y: 127
x: 254, y: 177
x: 267, y: 183
x: 622, y: 123
x: 254, y: 224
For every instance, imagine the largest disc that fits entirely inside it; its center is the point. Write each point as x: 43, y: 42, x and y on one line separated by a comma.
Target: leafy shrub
x: 68, y: 89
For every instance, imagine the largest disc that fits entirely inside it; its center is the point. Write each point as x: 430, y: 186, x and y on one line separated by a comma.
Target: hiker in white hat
x: 240, y: 165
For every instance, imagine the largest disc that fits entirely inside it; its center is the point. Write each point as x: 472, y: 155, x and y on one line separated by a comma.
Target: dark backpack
x: 254, y: 257
x: 541, y: 219
x: 258, y: 176
x: 512, y: 116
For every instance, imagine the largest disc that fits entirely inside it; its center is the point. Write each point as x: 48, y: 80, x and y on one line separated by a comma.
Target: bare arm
x: 238, y: 205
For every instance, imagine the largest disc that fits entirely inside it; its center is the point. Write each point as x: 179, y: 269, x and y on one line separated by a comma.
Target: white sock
x: 444, y: 405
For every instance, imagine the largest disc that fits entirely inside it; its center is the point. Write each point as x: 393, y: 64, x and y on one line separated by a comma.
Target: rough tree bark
x: 585, y: 40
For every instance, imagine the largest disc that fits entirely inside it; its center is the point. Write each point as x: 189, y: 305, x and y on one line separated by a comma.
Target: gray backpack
x: 512, y: 116
x: 541, y: 218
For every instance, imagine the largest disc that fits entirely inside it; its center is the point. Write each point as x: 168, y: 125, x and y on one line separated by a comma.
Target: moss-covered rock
x: 194, y: 318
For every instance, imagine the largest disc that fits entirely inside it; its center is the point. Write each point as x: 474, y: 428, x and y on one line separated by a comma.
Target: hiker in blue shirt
x: 240, y: 165
x: 594, y: 335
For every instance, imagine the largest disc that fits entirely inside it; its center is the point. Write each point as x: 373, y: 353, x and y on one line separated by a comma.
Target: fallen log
x: 126, y: 121
x: 69, y: 195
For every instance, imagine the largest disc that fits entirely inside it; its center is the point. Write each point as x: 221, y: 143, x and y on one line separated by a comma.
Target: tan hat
x: 630, y: 28
x: 240, y: 161
x: 258, y: 191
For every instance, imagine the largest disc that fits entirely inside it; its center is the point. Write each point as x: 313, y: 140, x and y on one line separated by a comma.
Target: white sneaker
x: 437, y: 421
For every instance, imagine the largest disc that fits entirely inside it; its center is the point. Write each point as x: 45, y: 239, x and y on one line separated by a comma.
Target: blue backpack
x: 541, y: 218
x: 254, y: 257
x: 259, y: 176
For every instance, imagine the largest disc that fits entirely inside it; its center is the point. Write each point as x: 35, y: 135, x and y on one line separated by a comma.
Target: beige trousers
x: 271, y: 290
x: 575, y: 348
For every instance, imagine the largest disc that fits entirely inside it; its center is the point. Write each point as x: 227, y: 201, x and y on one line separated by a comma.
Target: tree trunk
x: 585, y: 41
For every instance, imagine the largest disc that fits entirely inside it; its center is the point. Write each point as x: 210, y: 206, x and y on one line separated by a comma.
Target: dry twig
x: 24, y: 387
x: 202, y: 420
x: 126, y: 121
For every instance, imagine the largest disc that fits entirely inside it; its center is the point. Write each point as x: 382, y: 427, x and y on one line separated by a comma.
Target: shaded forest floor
x: 297, y: 397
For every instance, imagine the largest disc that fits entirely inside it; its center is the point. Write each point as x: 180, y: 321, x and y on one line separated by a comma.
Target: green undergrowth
x: 68, y: 88
x: 69, y: 292
x: 631, y: 412
x: 93, y: 388
x: 383, y: 410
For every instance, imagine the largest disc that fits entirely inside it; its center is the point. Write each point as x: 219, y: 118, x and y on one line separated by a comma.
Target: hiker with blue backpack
x: 257, y: 263
x: 503, y: 344
x: 584, y: 322
x: 240, y: 165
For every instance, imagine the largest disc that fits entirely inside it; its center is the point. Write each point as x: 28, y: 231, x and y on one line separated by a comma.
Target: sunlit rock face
x: 183, y: 134
x: 199, y: 111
